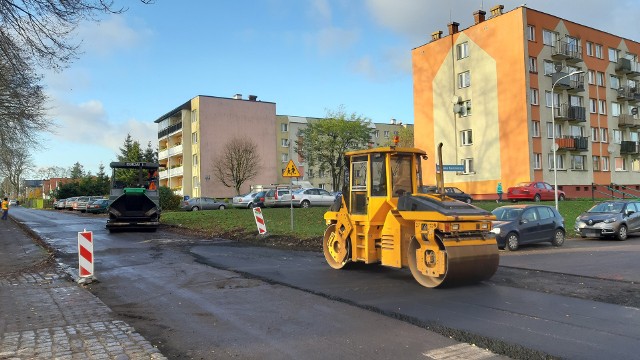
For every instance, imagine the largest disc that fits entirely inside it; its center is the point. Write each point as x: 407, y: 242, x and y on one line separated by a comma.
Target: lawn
x: 309, y: 223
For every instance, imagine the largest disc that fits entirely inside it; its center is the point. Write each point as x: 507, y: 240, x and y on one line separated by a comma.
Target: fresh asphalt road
x: 139, y: 270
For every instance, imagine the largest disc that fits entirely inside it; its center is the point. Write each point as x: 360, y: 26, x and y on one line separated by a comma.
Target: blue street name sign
x: 457, y: 168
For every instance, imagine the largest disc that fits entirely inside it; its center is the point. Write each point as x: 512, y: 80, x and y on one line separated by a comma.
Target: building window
x: 468, y: 166
x: 635, y: 166
x: 194, y: 138
x: 556, y: 99
x: 615, y: 109
x: 321, y: 173
x: 466, y: 137
x: 376, y: 133
x: 464, y: 79
x: 604, y: 135
x: 620, y: 164
x: 591, y: 75
x: 284, y: 157
x: 599, y: 51
x: 549, y: 37
x: 194, y: 116
x: 386, y: 134
x: 592, y: 106
x: 531, y: 33
x: 310, y: 173
x: 550, y: 130
x: 589, y: 46
x: 549, y: 68
x: 285, y: 143
x: 533, y: 64
x: 594, y: 135
x: 578, y: 162
x: 196, y: 182
x: 534, y: 96
x: 617, y: 136
x: 559, y: 161
x: 605, y: 163
x: 284, y: 127
x: 195, y: 159
x: 465, y: 108
x: 537, y: 161
x: 575, y: 130
x: 462, y: 50
x: 613, y: 55
x: 614, y: 82
x: 535, y: 127
x: 602, y: 107
x: 596, y: 163
x: 600, y: 78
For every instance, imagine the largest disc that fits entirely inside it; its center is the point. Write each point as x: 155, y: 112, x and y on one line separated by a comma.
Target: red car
x: 533, y: 191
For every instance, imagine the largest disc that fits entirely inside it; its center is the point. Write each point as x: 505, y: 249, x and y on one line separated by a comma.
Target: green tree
x: 77, y: 171
x: 150, y: 154
x: 103, y: 184
x: 129, y: 152
x: 405, y: 135
x: 169, y: 200
x: 323, y: 142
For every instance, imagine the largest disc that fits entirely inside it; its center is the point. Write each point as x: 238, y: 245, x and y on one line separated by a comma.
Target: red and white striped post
x: 85, y: 254
x: 262, y: 227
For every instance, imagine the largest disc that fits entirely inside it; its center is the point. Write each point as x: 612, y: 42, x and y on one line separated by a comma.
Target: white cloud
x: 109, y: 35
x: 320, y: 10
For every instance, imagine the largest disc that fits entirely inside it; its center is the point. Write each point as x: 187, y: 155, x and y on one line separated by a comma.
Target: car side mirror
x: 629, y: 212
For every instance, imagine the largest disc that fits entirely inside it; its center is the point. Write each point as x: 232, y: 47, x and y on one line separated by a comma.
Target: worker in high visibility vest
x: 5, y: 208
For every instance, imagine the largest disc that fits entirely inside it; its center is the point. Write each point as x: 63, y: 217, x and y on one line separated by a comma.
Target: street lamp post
x: 553, y: 131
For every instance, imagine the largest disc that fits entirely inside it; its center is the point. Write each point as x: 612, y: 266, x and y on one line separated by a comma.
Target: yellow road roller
x: 383, y: 218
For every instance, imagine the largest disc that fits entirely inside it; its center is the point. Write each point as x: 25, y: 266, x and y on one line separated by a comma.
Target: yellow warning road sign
x: 291, y: 170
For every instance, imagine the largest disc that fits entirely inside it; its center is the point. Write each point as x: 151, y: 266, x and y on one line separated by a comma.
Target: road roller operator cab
x: 382, y: 218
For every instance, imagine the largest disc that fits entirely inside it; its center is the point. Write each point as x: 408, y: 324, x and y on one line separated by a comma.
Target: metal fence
x: 614, y: 191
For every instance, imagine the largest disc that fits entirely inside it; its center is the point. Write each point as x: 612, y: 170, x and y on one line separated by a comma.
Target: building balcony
x: 628, y: 120
x: 628, y: 93
x: 176, y: 171
x: 170, y: 130
x: 573, y: 83
x: 163, y: 154
x: 570, y: 113
x: 569, y: 52
x: 164, y: 174
x: 573, y: 143
x: 630, y: 147
x: 175, y: 150
x: 629, y: 67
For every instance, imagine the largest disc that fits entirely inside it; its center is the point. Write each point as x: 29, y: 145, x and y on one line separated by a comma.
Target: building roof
x: 187, y: 105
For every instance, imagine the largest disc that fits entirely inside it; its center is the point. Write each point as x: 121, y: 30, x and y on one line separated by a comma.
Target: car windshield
x: 299, y: 191
x: 524, y: 184
x: 506, y: 214
x: 607, y: 207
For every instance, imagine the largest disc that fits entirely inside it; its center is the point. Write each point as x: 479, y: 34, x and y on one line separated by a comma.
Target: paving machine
x: 134, y: 200
x: 381, y: 218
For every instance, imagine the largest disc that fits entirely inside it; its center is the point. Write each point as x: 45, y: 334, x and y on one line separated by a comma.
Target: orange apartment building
x: 487, y: 93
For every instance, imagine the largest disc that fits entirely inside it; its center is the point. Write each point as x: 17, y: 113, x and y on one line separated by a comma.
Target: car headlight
x: 609, y: 220
x: 495, y: 230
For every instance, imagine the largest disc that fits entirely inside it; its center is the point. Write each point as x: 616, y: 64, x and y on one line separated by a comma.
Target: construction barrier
x: 85, y: 253
x: 262, y: 227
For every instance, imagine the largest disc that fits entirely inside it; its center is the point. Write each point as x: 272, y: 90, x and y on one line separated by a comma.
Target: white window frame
x: 604, y: 135
x: 466, y: 137
x: 559, y: 161
x: 599, y: 51
x: 589, y: 48
x: 194, y: 137
x: 284, y: 127
x: 468, y: 166
x: 533, y: 64
x: 537, y: 161
x: 595, y: 134
x: 613, y: 55
x: 194, y: 116
x: 284, y: 157
x: 595, y: 162
x: 534, y: 96
x: 531, y: 33
x: 284, y: 143
x: 591, y: 77
x: 549, y: 38
x: 593, y: 106
x: 614, y: 82
x: 194, y: 159
x: 616, y: 109
x: 617, y: 161
x: 575, y: 165
x: 605, y: 163
x: 602, y: 107
x: 618, y: 136
x: 550, y: 130
x: 535, y: 128
x: 462, y: 50
x: 464, y: 79
x: 549, y: 67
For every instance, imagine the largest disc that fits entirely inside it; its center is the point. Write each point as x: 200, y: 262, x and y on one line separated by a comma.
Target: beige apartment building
x: 496, y: 92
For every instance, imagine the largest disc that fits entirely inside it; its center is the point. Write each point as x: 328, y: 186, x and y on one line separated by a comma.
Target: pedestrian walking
x: 499, y: 191
x: 5, y: 208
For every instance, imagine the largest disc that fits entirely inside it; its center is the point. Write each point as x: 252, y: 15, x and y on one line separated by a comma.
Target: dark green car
x: 98, y: 206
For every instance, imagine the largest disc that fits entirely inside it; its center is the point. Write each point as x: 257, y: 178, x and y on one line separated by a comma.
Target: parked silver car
x: 616, y: 218
x: 276, y: 197
x: 83, y: 201
x: 244, y: 201
x: 305, y: 198
x: 203, y: 203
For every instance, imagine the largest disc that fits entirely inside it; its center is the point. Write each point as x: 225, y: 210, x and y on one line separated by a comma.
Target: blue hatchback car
x: 527, y: 224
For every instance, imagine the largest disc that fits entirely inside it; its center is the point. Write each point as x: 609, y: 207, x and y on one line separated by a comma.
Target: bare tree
x: 14, y: 163
x: 52, y: 172
x: 238, y: 163
x: 40, y: 29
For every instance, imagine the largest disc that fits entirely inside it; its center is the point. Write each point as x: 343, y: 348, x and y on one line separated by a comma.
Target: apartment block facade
x: 496, y: 93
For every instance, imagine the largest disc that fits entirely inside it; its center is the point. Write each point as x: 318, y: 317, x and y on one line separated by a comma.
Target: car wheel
x: 250, y: 205
x: 221, y: 207
x: 512, y: 241
x: 561, y: 197
x: 468, y: 201
x: 195, y: 208
x: 305, y: 204
x: 622, y: 233
x: 558, y: 238
x: 536, y: 198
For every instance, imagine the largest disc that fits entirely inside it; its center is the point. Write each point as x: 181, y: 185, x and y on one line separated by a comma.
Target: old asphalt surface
x: 48, y: 315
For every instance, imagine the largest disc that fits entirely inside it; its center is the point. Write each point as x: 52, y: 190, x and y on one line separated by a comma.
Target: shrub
x: 169, y: 200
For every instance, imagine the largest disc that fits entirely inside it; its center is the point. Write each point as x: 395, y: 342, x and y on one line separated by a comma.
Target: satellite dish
x: 456, y: 99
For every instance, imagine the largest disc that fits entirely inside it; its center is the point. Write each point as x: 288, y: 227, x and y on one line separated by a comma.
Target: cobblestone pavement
x: 45, y: 315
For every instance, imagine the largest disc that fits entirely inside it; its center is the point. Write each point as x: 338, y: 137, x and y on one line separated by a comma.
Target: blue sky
x: 306, y: 56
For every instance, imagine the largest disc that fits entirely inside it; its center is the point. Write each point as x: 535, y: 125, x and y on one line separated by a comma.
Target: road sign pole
x: 291, y: 201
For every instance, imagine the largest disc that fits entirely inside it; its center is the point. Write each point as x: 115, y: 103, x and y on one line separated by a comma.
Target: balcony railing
x: 571, y: 113
x: 579, y: 143
x: 628, y: 120
x: 170, y: 129
x: 570, y: 52
x: 175, y: 150
x: 630, y: 147
x: 628, y: 93
x: 573, y: 83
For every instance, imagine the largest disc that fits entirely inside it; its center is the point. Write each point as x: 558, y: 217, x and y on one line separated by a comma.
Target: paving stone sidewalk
x: 46, y: 315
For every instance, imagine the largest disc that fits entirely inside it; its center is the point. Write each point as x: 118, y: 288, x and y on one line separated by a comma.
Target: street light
x: 553, y: 131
